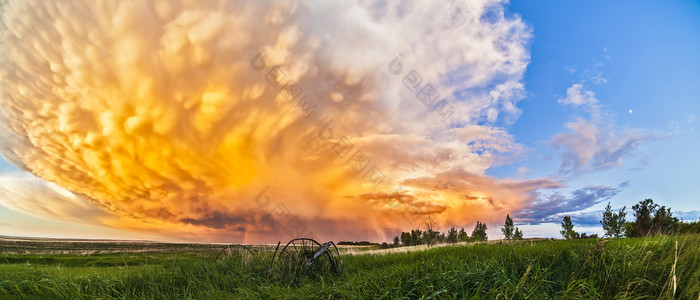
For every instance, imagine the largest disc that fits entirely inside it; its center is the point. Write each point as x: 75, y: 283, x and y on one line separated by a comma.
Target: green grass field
x: 659, y: 267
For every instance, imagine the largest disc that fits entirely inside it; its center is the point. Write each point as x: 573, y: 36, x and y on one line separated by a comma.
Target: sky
x: 221, y: 121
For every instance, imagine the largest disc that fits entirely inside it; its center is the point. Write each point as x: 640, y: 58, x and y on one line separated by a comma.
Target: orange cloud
x: 252, y: 121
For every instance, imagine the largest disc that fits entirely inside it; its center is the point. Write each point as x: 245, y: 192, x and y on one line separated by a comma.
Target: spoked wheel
x: 303, y: 255
x: 237, y: 252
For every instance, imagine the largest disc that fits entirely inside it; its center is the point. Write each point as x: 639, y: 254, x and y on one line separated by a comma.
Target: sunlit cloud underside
x: 229, y: 120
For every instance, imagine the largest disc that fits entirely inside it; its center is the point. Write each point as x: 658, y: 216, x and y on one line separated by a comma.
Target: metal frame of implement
x: 304, y: 252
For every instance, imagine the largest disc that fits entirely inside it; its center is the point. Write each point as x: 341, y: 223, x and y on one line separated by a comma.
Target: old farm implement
x: 235, y: 251
x: 299, y: 256
x: 304, y: 254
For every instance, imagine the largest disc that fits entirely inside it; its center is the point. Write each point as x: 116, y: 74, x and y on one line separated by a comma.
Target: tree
x: 664, y: 222
x: 608, y: 221
x: 613, y: 223
x: 518, y: 235
x: 406, y: 239
x: 567, y: 229
x: 430, y: 236
x: 508, y: 228
x: 586, y: 236
x: 452, y: 235
x: 441, y: 238
x: 462, y: 236
x: 650, y: 219
x: 643, y: 212
x: 689, y: 227
x: 396, y: 242
x: 416, y: 239
x: 629, y: 229
x: 479, y: 232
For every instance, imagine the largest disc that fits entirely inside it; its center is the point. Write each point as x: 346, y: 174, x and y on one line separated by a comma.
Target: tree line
x: 430, y: 236
x: 649, y: 219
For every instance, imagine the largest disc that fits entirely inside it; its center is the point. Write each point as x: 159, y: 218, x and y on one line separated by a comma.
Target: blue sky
x: 610, y: 110
x: 641, y: 58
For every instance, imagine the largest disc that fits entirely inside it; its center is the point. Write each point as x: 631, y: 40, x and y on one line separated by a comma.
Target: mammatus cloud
x: 593, y: 143
x: 240, y: 120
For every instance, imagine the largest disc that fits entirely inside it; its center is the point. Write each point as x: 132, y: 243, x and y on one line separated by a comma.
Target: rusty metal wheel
x: 304, y: 255
x: 237, y: 252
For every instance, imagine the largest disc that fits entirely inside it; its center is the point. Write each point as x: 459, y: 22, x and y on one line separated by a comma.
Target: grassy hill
x: 639, y: 268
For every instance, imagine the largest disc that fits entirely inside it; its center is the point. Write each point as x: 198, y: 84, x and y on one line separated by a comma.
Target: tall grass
x: 650, y: 268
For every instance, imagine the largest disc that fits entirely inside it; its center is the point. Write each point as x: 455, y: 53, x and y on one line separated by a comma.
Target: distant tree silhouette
x: 689, y: 227
x: 479, y: 232
x: 452, y: 235
x: 518, y: 235
x: 406, y: 239
x: 586, y: 236
x: 462, y: 236
x: 567, y: 229
x: 613, y: 223
x: 651, y: 219
x: 430, y: 236
x: 416, y: 237
x: 441, y: 238
x: 643, y: 212
x: 508, y: 228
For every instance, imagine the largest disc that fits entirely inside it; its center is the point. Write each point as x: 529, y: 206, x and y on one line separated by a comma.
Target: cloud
x: 553, y: 207
x: 576, y: 95
x: 465, y: 197
x: 587, y: 219
x: 27, y: 194
x: 690, y: 216
x: 173, y: 116
x: 590, y: 146
x: 594, y: 143
x: 593, y: 74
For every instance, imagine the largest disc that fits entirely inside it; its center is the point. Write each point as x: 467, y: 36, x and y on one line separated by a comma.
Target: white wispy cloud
x: 589, y: 145
x: 554, y: 206
x: 576, y: 96
x: 27, y: 194
x: 593, y: 142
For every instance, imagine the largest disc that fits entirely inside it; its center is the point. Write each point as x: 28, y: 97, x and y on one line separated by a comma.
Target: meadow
x: 631, y: 268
